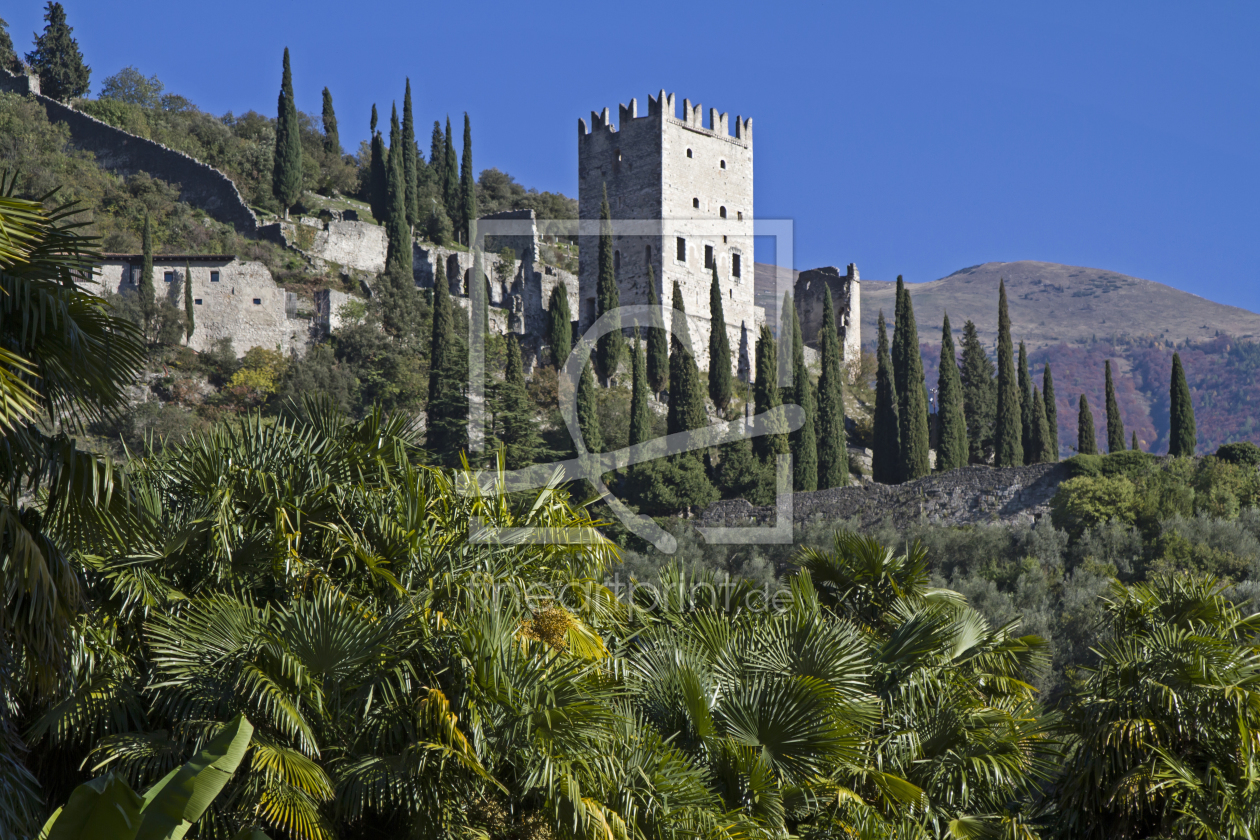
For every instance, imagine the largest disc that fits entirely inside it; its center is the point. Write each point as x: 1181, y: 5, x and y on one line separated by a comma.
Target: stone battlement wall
x: 200, y: 184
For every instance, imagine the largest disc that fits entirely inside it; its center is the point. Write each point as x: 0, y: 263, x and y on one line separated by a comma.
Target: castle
x: 681, y: 199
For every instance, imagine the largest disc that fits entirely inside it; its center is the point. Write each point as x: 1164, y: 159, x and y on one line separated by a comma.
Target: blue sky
x: 910, y: 138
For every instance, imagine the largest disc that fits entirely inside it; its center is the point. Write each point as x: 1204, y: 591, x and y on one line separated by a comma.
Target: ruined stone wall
x: 328, y: 303
x: 200, y: 184
x: 674, y: 179
x: 972, y: 495
x: 244, y: 304
x: 846, y: 300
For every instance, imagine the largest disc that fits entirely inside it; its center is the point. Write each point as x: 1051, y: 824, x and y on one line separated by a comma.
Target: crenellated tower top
x: 663, y: 106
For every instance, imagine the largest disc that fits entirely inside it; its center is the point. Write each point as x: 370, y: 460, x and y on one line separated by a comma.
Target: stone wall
x: 969, y: 496
x: 360, y: 246
x: 243, y: 304
x: 200, y: 184
x: 328, y: 305
x: 846, y: 300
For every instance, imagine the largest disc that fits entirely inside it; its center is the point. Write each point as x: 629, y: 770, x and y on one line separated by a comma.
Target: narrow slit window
x: 708, y: 256
x: 739, y: 216
x: 257, y: 301
x: 616, y: 261
x: 689, y: 153
x: 723, y: 164
x: 722, y: 212
x: 682, y: 249
x: 735, y: 266
x: 695, y: 202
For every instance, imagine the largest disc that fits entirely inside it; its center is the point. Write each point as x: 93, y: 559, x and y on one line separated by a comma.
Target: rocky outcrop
x: 969, y: 496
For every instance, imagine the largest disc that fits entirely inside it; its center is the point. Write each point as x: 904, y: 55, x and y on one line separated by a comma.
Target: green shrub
x: 1091, y: 500
x: 1129, y: 464
x: 1243, y: 452
x: 1084, y: 465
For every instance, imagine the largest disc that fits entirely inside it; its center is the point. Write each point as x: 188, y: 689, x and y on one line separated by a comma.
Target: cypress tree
x: 886, y: 454
x: 1085, y: 441
x: 1040, y: 431
x: 410, y: 160
x: 372, y: 124
x: 286, y: 174
x: 1052, y: 413
x: 559, y: 325
x: 148, y: 295
x: 514, y: 415
x: 804, y: 441
x: 467, y: 186
x: 450, y: 182
x: 899, y: 348
x: 57, y: 60
x: 913, y: 411
x: 448, y: 410
x: 1133, y: 444
x: 332, y: 140
x: 1007, y: 435
x: 1182, y: 432
x: 766, y: 396
x: 8, y: 56
x: 437, y: 161
x: 979, y: 393
x: 831, y: 446
x: 657, y: 344
x: 686, y: 394
x: 720, y: 388
x: 397, y: 234
x: 189, y: 316
x: 378, y: 180
x: 640, y: 411
x: 588, y: 411
x: 1027, y: 423
x: 608, y: 347
x: 952, y: 449
x: 1115, y: 425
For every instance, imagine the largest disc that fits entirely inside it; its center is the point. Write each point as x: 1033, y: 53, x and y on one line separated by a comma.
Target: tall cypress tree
x: 397, y: 233
x: 588, y: 411
x: 375, y: 119
x: 332, y: 140
x: 57, y: 60
x: 190, y: 322
x: 447, y: 433
x: 1040, y: 430
x: 720, y: 388
x: 410, y: 160
x: 686, y: 394
x: 1027, y: 423
x: 886, y: 454
x: 979, y: 393
x: 559, y: 325
x: 1115, y: 425
x: 640, y: 411
x: 450, y: 183
x: 952, y: 448
x: 804, y: 441
x: 608, y: 348
x: 1007, y: 433
x: 916, y: 443
x: 148, y: 295
x: 1086, y: 444
x: 467, y: 186
x: 514, y: 417
x: 657, y: 345
x: 378, y: 179
x: 437, y: 161
x: 1052, y: 413
x: 899, y: 343
x: 832, y: 448
x: 286, y: 173
x: 766, y: 396
x: 1182, y: 432
x: 1133, y: 444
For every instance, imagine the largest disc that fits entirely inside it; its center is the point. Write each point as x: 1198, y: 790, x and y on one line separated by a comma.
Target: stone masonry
x: 236, y: 299
x: 846, y: 298
x: 683, y: 193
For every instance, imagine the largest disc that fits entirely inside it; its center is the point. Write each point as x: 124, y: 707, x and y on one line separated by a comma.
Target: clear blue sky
x: 911, y: 139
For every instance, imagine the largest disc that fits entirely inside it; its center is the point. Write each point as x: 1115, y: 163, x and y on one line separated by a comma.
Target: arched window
x: 722, y: 212
x: 695, y: 202
x: 689, y: 153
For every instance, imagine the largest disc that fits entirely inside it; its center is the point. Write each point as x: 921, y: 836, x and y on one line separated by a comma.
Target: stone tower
x: 846, y: 298
x: 681, y: 196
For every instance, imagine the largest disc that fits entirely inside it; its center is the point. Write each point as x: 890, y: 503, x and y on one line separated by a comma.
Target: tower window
x: 647, y: 254
x: 708, y: 256
x: 682, y: 249
x: 722, y: 212
x: 695, y: 202
x: 169, y: 277
x: 257, y: 301
x: 689, y: 153
x: 617, y: 155
x: 214, y: 277
x: 616, y: 261
x: 740, y: 216
x: 735, y: 266
x: 723, y: 164
x: 197, y: 301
